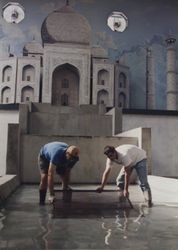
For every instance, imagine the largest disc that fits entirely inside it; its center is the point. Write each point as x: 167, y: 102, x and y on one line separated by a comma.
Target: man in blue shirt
x: 55, y: 156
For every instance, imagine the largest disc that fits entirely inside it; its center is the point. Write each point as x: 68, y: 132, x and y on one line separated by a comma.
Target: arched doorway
x: 28, y: 73
x: 27, y: 94
x: 103, y: 97
x: 103, y: 77
x: 122, y: 100
x: 6, y: 95
x: 122, y: 80
x: 7, y: 74
x: 65, y: 86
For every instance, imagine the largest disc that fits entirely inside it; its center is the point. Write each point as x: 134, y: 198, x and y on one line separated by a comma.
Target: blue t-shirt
x: 54, y: 152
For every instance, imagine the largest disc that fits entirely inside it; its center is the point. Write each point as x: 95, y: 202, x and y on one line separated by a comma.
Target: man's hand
x: 126, y: 193
x: 99, y: 189
x: 51, y: 199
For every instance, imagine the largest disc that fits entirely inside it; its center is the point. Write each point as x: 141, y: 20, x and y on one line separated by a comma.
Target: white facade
x: 103, y: 82
x: 20, y: 79
x: 122, y: 86
x: 69, y: 60
x: 28, y: 78
x: 8, y: 82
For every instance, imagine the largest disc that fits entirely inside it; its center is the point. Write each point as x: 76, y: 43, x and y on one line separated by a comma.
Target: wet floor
x: 25, y: 225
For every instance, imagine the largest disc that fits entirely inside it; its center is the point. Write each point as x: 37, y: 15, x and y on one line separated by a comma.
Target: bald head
x: 72, y: 151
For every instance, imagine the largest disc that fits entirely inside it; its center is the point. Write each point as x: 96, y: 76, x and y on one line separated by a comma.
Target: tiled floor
x: 26, y: 225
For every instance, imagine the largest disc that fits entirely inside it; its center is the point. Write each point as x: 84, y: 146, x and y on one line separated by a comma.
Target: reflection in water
x: 108, y: 233
x: 45, y: 223
x: 2, y: 217
x: 123, y: 222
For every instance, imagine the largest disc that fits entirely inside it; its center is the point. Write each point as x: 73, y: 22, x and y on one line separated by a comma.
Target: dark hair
x: 109, y: 149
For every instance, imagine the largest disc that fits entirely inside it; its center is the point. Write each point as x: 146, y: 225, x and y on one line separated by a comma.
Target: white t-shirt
x: 128, y: 155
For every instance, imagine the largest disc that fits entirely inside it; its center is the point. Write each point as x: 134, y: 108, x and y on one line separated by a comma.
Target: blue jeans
x: 141, y: 170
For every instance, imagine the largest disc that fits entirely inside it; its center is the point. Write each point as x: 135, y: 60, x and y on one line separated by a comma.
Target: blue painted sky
x: 150, y: 22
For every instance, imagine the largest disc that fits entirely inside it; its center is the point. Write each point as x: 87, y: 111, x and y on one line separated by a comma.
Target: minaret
x: 171, y: 74
x: 150, y: 80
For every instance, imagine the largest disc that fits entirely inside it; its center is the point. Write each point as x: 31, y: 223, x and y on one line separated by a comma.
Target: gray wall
x: 164, y: 140
x: 70, y: 124
x: 12, y: 156
x: 6, y: 117
x: 84, y: 120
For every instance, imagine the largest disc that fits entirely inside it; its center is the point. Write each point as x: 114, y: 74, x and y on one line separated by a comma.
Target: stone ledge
x: 8, y: 183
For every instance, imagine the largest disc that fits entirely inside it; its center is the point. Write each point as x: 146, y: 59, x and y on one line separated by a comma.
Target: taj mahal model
x: 66, y: 70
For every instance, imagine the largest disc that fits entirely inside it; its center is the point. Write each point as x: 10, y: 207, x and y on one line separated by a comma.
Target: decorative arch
x: 122, y: 100
x: 7, y: 74
x: 103, y: 97
x: 5, y: 95
x: 103, y: 77
x: 27, y: 94
x: 122, y: 80
x: 65, y: 85
x: 28, y: 73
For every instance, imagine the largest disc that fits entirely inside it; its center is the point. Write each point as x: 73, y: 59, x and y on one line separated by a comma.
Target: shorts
x: 43, y: 164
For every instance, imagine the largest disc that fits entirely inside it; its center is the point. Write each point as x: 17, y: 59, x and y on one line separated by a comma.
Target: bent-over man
x: 130, y: 157
x: 59, y: 157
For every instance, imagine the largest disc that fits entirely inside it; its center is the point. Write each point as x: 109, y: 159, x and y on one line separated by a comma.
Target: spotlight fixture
x: 117, y: 21
x: 13, y: 12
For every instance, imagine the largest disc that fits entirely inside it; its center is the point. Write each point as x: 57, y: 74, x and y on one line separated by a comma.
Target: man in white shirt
x: 130, y: 157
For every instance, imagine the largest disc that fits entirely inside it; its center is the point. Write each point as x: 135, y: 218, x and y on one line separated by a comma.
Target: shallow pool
x: 25, y: 225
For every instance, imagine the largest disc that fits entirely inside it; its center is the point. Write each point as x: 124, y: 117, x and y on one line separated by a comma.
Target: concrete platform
x: 8, y: 183
x: 26, y: 225
x: 165, y: 190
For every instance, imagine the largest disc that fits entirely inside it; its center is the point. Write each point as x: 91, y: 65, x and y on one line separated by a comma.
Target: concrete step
x: 8, y: 183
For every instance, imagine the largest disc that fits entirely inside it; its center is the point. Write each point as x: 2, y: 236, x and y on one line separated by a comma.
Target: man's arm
x: 104, y: 179
x: 127, y: 179
x: 66, y: 179
x: 51, y: 170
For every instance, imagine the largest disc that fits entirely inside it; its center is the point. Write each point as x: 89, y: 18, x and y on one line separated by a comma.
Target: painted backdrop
x: 150, y: 23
